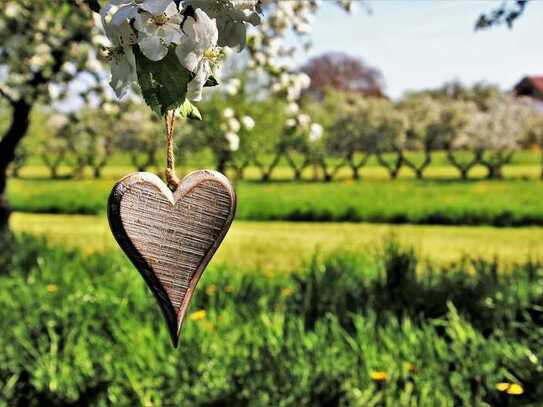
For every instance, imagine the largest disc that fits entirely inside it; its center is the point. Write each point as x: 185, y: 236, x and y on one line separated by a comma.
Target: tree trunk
x: 419, y: 169
x: 392, y: 168
x: 267, y: 171
x: 494, y: 171
x: 466, y: 168
x: 97, y: 172
x: 356, y: 172
x: 54, y: 171
x: 316, y: 172
x: 222, y: 161
x: 20, y: 121
x: 240, y: 173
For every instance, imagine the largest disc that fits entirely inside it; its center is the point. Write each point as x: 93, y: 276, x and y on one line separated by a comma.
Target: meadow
x: 349, y: 293
x: 352, y: 328
x: 279, y: 247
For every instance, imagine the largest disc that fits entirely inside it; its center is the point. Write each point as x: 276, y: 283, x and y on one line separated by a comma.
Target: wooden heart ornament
x: 171, y: 237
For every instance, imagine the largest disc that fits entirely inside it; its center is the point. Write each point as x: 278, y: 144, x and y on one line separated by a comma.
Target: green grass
x: 511, y: 202
x: 284, y: 246
x: 83, y: 330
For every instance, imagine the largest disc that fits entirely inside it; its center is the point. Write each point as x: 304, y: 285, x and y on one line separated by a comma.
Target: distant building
x: 531, y: 87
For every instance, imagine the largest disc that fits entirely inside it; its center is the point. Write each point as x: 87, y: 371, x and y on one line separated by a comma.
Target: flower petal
x: 153, y: 48
x: 144, y: 23
x: 188, y: 57
x: 196, y: 85
x: 205, y: 29
x: 171, y: 10
x: 123, y: 14
x: 156, y: 7
x: 122, y: 75
x: 170, y: 34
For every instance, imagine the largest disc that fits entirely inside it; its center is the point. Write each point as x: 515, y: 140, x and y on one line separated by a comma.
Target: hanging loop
x: 171, y: 177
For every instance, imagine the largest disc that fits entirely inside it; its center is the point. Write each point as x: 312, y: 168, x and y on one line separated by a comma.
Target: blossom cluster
x: 232, y: 126
x: 195, y: 31
x: 303, y: 122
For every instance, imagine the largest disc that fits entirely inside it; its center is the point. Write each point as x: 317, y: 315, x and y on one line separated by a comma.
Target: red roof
x: 530, y: 86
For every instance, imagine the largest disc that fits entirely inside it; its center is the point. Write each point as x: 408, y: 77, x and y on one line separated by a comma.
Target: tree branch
x: 5, y: 94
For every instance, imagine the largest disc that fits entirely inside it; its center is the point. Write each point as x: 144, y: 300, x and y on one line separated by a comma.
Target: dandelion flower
x: 52, y: 288
x: 378, y: 376
x: 197, y: 315
x: 515, y: 390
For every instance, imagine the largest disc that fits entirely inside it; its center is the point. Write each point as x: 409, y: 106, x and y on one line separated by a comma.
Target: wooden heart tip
x: 175, y: 339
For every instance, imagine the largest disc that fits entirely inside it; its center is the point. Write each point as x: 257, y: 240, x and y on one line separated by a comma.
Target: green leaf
x: 164, y: 83
x: 190, y: 111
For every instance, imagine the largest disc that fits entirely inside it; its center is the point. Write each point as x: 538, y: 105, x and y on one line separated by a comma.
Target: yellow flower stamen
x: 212, y: 54
x: 160, y: 20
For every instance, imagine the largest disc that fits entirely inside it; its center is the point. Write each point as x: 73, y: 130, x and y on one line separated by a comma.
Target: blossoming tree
x: 170, y: 49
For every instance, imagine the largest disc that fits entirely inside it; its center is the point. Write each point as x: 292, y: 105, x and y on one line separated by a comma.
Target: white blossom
x: 315, y: 132
x: 120, y: 55
x: 159, y: 31
x: 248, y: 122
x: 233, y: 124
x: 197, y: 51
x: 231, y: 16
x: 233, y: 141
x: 126, y: 10
x: 228, y: 113
x: 292, y: 108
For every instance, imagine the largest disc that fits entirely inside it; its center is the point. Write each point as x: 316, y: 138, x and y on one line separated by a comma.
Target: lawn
x: 284, y: 246
x: 511, y: 202
x: 347, y: 330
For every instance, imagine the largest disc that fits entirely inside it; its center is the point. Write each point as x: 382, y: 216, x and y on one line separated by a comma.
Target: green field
x: 351, y: 329
x: 284, y: 246
x: 511, y: 202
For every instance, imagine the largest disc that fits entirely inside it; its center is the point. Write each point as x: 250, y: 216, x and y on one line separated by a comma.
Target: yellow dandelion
x: 515, y: 390
x: 197, y: 315
x: 52, y: 288
x: 211, y: 289
x: 228, y: 289
x: 378, y: 376
x: 502, y: 386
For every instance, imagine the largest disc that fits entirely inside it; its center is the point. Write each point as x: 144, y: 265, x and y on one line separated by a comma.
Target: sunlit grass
x: 510, y: 202
x: 283, y: 246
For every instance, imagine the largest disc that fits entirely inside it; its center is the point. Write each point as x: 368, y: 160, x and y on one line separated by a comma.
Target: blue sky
x: 422, y: 43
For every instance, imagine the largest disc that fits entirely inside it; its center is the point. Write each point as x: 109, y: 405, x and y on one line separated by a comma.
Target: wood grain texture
x: 171, y: 237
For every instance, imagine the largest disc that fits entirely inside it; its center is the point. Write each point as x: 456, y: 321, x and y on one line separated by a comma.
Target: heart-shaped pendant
x: 171, y: 237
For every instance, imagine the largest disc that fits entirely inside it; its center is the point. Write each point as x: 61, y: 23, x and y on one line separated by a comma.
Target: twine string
x: 171, y: 177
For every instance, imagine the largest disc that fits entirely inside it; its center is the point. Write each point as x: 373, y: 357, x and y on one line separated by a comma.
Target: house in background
x: 531, y: 87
